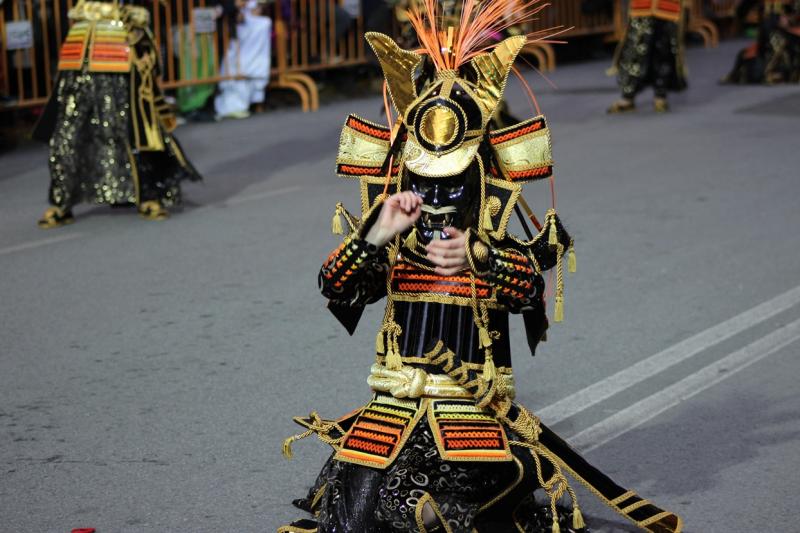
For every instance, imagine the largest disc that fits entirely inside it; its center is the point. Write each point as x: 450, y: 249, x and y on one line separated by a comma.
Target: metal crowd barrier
x: 309, y: 35
x: 568, y: 15
x: 31, y: 33
x: 723, y: 14
x: 698, y: 23
x: 313, y: 35
x: 723, y: 8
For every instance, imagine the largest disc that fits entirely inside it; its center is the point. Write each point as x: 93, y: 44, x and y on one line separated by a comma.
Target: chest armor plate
x: 661, y: 9
x: 103, y: 42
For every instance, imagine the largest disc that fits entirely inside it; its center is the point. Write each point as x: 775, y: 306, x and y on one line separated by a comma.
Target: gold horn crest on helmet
x: 398, y: 67
x: 492, y: 70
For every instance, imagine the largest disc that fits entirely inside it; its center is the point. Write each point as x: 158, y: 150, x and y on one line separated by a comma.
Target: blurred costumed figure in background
x: 775, y: 56
x: 249, y: 56
x: 442, y: 446
x: 650, y: 53
x: 107, y: 123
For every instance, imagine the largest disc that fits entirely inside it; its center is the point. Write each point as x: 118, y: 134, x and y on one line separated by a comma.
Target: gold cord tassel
x: 336, y: 221
x: 577, y: 518
x: 379, y: 347
x: 485, y: 341
x: 487, y: 220
x: 396, y: 345
x: 559, y: 312
x: 484, y: 338
x: 554, y: 496
x: 287, y: 444
x: 489, y: 370
x: 572, y: 265
x: 553, y: 236
x: 287, y: 448
x: 393, y: 358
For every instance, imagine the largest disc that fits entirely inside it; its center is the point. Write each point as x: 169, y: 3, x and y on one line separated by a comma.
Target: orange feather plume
x: 481, y: 21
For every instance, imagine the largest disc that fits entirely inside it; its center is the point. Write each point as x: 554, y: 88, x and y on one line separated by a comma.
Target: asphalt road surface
x: 149, y: 370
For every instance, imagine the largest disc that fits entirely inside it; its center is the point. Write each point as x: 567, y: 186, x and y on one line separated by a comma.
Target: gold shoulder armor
x: 523, y: 151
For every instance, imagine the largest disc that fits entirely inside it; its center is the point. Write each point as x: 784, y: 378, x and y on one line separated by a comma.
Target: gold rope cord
x: 390, y: 328
x: 318, y: 426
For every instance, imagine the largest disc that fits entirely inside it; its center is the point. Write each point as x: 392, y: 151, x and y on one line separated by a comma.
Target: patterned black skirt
x: 650, y: 56
x: 463, y: 496
x: 92, y: 157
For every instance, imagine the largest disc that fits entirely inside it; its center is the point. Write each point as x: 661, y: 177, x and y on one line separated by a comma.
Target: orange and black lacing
x: 466, y: 433
x: 511, y: 273
x: 379, y: 431
x: 407, y: 278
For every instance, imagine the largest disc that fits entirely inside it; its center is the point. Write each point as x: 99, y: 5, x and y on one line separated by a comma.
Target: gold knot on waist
x: 413, y: 382
x: 94, y: 11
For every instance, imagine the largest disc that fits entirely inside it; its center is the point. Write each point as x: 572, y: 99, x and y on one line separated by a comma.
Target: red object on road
x: 84, y: 530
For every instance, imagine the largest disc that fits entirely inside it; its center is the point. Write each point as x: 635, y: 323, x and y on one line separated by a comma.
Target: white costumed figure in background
x: 249, y: 56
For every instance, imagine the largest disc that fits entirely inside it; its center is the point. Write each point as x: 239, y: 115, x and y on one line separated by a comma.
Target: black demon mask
x: 446, y: 202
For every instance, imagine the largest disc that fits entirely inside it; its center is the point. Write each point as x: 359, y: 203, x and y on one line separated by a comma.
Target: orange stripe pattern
x: 110, y: 50
x: 408, y: 278
x: 343, y: 262
x: 358, y: 170
x: 531, y: 173
x: 366, y: 128
x: 467, y: 434
x: 663, y: 9
x: 512, y: 273
x: 521, y: 129
x: 377, y: 434
x: 74, y: 47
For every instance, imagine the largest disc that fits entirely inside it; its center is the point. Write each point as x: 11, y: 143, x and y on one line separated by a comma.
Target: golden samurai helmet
x: 445, y: 95
x: 447, y: 119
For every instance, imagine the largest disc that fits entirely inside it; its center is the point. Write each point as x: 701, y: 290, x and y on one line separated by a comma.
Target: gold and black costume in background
x: 107, y: 123
x: 775, y: 56
x: 651, y: 52
x: 442, y: 446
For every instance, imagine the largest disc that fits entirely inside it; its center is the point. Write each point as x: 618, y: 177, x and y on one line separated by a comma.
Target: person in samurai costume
x: 775, y: 55
x: 650, y: 54
x: 106, y: 122
x: 442, y: 446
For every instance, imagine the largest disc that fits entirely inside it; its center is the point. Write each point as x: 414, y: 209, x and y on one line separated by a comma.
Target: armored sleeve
x: 514, y: 267
x: 355, y: 273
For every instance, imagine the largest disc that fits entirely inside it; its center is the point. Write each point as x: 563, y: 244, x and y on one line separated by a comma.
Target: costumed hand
x: 449, y: 255
x: 398, y: 213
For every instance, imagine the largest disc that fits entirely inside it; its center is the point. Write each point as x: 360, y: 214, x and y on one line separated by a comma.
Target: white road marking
x: 652, y: 406
x: 37, y: 244
x: 647, y: 368
x: 236, y: 200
